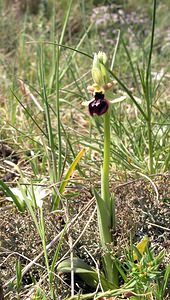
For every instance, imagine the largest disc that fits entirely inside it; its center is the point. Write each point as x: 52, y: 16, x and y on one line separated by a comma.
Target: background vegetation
x: 45, y: 54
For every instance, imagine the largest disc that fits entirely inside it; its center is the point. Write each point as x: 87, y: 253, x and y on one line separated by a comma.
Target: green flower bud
x: 99, y: 71
x: 96, y: 61
x: 97, y: 77
x: 102, y: 57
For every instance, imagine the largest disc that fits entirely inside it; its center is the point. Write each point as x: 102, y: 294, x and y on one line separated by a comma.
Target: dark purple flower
x: 98, y: 105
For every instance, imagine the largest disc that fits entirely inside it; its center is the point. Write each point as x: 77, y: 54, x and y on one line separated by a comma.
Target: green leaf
x: 140, y: 248
x: 120, y: 269
x: 158, y: 259
x: 166, y: 279
x: 19, y: 204
x: 67, y: 177
x: 88, y: 274
x: 79, y: 266
x: 18, y: 275
x: 104, y: 219
x: 105, y: 224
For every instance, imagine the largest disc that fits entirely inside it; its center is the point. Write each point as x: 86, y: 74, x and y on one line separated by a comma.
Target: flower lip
x: 98, y: 105
x: 99, y: 96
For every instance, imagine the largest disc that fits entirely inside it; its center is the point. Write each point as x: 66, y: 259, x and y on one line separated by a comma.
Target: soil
x: 142, y: 208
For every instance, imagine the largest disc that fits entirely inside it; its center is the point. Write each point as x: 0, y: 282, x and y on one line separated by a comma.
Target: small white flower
x: 17, y: 193
x: 37, y: 193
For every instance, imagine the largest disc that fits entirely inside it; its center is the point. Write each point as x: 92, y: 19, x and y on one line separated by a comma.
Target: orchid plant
x: 100, y: 105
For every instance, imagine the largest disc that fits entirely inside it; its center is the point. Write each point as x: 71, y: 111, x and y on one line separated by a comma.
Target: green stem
x: 148, y: 93
x: 58, y: 117
x: 43, y: 240
x: 105, y: 194
x: 152, y: 39
x: 106, y: 233
x: 150, y: 141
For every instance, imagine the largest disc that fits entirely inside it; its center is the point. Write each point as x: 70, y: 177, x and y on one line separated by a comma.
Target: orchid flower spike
x: 99, y: 105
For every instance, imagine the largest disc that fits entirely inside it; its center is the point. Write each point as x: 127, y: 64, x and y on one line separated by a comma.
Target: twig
x: 153, y: 184
x: 85, y: 227
x: 159, y: 226
x: 97, y: 269
x: 20, y: 255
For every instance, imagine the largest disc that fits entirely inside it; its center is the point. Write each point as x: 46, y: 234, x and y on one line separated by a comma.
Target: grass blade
x: 67, y: 177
